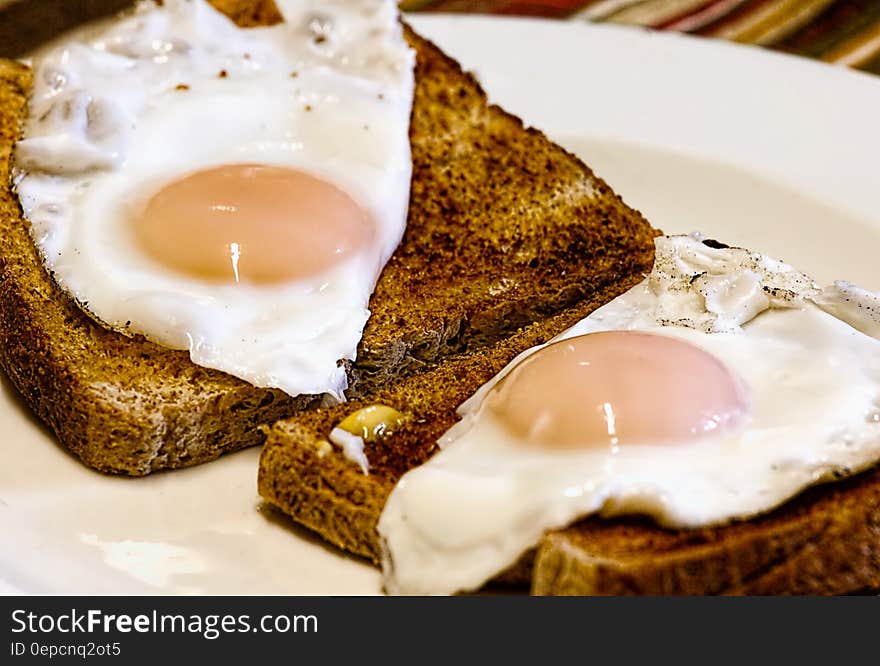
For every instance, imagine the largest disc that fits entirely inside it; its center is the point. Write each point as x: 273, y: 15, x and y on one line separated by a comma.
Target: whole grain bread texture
x: 825, y: 541
x: 504, y: 228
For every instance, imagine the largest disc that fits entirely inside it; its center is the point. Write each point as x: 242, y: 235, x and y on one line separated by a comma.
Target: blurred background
x: 845, y: 32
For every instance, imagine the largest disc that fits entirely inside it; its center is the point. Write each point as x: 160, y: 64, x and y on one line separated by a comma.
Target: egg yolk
x: 254, y: 223
x: 615, y: 388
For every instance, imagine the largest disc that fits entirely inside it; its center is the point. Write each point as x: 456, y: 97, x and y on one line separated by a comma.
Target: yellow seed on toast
x: 372, y: 422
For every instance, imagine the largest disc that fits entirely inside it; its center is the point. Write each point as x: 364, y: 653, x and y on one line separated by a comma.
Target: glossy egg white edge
x: 808, y: 355
x: 166, y: 91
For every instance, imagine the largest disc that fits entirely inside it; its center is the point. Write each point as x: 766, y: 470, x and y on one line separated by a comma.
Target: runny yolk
x: 615, y: 388
x: 254, y: 223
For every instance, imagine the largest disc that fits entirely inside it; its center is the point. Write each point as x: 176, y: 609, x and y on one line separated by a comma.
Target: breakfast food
x: 503, y: 229
x: 712, y: 393
x: 256, y: 249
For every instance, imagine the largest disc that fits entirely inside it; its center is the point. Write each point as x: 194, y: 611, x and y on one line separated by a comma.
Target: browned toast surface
x: 504, y: 227
x: 825, y: 541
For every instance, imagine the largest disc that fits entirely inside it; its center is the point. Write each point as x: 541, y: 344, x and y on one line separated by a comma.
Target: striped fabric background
x: 846, y: 32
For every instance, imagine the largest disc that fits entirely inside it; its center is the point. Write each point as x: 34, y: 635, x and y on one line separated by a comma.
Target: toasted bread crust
x: 494, y: 240
x: 825, y: 541
x: 542, y: 231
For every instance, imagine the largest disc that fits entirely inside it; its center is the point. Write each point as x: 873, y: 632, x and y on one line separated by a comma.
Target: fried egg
x: 231, y: 192
x: 721, y: 386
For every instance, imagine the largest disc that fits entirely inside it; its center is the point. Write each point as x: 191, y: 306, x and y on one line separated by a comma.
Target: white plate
x: 769, y: 151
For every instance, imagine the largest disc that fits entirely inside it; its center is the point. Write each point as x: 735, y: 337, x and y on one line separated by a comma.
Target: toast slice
x: 504, y: 228
x: 825, y: 541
